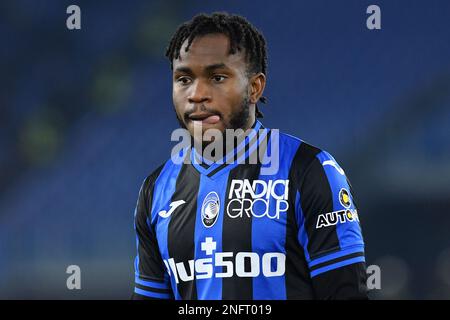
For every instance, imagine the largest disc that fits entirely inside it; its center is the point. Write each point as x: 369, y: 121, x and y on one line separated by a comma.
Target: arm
x: 330, y: 232
x: 151, y: 278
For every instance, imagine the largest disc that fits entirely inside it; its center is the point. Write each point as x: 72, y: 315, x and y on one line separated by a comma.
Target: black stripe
x: 237, y: 236
x: 316, y: 198
x: 351, y: 285
x: 204, y: 165
x: 247, y: 147
x: 217, y: 169
x: 303, y: 158
x: 137, y: 296
x: 150, y: 261
x: 297, y: 276
x: 327, y: 263
x: 149, y: 186
x: 181, y: 228
x: 156, y: 290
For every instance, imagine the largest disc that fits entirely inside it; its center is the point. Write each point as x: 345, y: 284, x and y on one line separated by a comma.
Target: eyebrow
x: 208, y: 69
x: 213, y: 67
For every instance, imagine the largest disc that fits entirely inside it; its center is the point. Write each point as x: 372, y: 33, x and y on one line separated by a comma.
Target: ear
x: 257, y: 85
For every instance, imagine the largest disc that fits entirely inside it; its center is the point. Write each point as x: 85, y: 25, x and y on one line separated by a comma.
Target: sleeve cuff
x: 336, y: 260
x: 152, y: 289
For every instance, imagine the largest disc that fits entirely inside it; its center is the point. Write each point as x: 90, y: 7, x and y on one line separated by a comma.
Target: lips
x: 204, y: 118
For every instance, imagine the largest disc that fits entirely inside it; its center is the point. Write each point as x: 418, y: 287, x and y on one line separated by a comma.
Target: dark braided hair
x: 241, y: 33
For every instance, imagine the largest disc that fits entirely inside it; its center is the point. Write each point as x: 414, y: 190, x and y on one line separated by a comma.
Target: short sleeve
x: 329, y: 227
x: 151, y: 278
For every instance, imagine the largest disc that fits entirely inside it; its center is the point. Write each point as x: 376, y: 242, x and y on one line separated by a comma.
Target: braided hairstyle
x: 241, y: 33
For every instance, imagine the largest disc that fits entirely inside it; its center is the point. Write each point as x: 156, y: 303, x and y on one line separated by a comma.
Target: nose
x: 199, y: 93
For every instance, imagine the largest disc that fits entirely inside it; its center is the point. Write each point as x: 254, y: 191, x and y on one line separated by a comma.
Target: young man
x: 215, y: 228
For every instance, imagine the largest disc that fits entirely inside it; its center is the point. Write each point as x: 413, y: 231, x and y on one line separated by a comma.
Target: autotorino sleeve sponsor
x: 329, y: 226
x: 151, y: 279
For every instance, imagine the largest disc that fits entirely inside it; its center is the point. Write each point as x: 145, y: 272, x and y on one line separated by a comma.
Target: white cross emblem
x: 209, y: 245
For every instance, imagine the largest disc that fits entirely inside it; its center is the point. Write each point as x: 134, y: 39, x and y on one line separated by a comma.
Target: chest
x: 226, y: 214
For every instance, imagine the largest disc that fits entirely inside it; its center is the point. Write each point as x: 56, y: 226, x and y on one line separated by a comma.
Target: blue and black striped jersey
x: 211, y: 230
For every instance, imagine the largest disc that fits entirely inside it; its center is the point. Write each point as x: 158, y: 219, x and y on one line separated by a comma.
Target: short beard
x: 238, y: 120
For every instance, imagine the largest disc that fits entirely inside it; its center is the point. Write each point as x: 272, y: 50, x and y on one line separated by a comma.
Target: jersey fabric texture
x: 211, y: 230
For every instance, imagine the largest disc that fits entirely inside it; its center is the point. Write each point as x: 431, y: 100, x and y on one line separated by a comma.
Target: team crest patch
x: 344, y: 198
x: 210, y: 209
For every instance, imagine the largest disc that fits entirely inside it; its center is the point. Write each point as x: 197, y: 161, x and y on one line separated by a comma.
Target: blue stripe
x: 195, y: 162
x: 251, y: 149
x: 210, y: 288
x: 253, y: 146
x: 336, y: 255
x: 151, y: 284
x: 349, y: 233
x: 245, y: 142
x: 162, y: 195
x: 337, y: 265
x: 152, y: 294
x: 136, y: 265
x: 302, y: 234
x: 136, y: 260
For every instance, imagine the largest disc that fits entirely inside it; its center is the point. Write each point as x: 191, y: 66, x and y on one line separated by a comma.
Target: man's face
x: 211, y: 87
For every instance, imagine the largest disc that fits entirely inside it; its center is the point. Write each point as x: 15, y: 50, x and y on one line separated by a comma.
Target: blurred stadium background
x: 85, y: 115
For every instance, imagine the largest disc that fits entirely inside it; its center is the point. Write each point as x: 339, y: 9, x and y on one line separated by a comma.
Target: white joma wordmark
x: 173, y: 206
x: 333, y: 164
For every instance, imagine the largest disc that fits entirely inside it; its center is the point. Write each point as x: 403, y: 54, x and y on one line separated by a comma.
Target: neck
x: 211, y: 149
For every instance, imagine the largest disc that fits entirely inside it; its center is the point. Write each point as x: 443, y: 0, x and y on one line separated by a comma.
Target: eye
x: 218, y: 78
x: 183, y: 80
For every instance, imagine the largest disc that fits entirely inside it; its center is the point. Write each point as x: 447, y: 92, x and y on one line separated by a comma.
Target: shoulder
x: 161, y: 176
x: 150, y: 180
x: 311, y: 163
x: 303, y: 152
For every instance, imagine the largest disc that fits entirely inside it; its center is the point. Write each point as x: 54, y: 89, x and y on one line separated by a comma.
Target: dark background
x: 86, y: 115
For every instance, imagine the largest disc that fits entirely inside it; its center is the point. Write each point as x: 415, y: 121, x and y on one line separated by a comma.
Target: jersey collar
x: 237, y: 156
